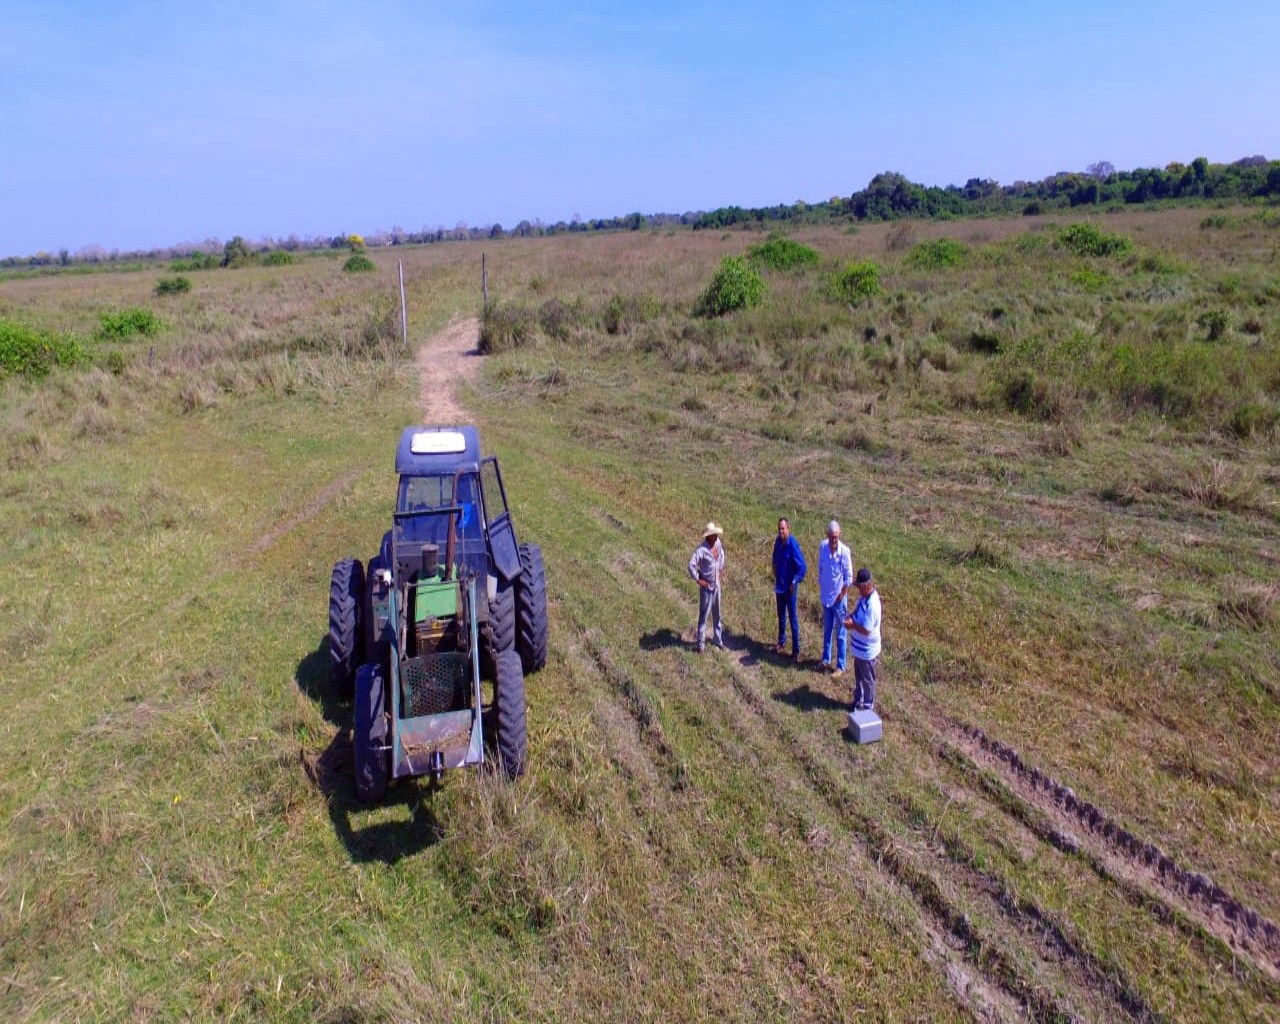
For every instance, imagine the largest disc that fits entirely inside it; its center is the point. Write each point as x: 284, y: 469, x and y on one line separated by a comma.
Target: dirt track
x: 444, y: 360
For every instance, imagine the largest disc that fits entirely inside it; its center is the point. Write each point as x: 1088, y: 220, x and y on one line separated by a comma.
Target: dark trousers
x: 864, y: 683
x: 787, y: 608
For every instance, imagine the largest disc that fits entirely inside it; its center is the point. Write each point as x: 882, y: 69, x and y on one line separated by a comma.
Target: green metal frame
x: 458, y: 736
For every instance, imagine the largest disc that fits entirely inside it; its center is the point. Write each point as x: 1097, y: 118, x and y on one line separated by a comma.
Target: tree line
x: 888, y: 196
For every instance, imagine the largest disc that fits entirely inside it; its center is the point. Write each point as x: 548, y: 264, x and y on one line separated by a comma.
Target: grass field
x: 1062, y: 468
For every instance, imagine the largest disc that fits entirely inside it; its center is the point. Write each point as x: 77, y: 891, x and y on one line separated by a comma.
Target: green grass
x: 1082, y: 565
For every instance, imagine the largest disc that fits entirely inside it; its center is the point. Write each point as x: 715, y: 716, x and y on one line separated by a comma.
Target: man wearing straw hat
x: 706, y: 567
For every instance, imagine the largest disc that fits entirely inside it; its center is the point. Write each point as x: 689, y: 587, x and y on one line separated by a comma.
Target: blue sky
x: 131, y: 125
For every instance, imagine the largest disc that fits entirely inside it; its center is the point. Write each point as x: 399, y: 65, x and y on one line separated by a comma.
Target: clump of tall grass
x: 506, y: 326
x: 557, y: 319
x: 623, y: 313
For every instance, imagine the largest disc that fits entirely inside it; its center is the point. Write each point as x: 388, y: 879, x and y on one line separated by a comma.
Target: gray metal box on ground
x: 864, y: 726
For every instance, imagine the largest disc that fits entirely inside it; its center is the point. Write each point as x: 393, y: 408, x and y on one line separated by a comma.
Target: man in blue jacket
x: 788, y: 570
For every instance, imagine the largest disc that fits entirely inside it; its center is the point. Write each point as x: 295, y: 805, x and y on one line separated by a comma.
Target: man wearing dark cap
x: 864, y: 640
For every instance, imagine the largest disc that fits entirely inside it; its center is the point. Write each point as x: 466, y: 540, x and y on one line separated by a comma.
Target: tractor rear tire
x: 346, y: 596
x: 369, y: 734
x: 498, y: 633
x: 375, y: 647
x: 531, y: 609
x: 511, y: 731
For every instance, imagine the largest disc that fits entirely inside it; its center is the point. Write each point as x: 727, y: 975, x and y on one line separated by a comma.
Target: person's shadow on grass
x: 332, y: 772
x: 805, y: 698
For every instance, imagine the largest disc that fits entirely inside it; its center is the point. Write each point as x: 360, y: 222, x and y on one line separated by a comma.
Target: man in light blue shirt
x: 864, y: 641
x: 835, y: 576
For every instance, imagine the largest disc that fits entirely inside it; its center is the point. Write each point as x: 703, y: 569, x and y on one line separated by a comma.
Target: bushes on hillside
x: 782, y: 254
x: 938, y: 255
x: 357, y: 263
x: 197, y: 261
x: 173, y: 285
x: 736, y: 285
x: 857, y: 282
x: 27, y: 352
x: 119, y: 324
x: 277, y: 258
x: 1086, y: 240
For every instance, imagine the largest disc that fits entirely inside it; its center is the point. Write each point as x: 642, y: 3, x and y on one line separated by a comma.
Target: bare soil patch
x: 445, y: 360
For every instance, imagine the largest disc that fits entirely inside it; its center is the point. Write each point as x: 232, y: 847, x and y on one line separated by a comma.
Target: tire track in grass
x: 985, y: 953
x: 1150, y: 875
x: 668, y: 810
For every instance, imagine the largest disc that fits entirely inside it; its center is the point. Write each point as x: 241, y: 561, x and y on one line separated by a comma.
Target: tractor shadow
x: 312, y: 677
x: 332, y: 772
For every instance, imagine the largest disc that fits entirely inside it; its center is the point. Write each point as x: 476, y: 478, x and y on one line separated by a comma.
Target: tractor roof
x: 426, y: 450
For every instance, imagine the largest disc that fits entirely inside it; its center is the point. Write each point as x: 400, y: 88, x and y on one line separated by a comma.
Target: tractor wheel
x: 509, y: 711
x: 370, y: 734
x: 499, y: 632
x: 346, y: 594
x: 375, y: 649
x: 531, y: 609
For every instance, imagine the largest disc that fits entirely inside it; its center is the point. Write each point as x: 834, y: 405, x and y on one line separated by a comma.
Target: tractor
x: 450, y: 601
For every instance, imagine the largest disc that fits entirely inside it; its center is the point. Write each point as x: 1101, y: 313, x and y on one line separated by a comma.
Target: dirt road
x: 444, y: 361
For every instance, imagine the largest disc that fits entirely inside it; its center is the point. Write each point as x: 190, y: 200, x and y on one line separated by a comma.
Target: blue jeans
x: 787, y: 609
x: 833, y: 622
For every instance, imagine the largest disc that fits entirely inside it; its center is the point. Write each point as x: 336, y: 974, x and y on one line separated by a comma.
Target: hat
x: 712, y: 531
x: 864, y: 576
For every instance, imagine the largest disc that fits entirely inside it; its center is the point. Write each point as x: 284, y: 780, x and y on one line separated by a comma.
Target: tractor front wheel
x: 531, y: 609
x: 346, y: 593
x: 498, y: 633
x: 370, y: 734
x: 509, y: 711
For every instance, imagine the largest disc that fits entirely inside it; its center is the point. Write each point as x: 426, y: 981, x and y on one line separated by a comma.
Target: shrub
x: 556, y: 319
x: 1252, y: 419
x: 197, y: 261
x: 1215, y: 323
x: 1086, y: 240
x: 857, y: 282
x: 736, y: 285
x: 277, y: 258
x: 358, y: 262
x: 506, y: 326
x: 173, y: 285
x: 236, y: 253
x: 782, y: 254
x: 27, y: 352
x: 943, y: 253
x: 125, y: 323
